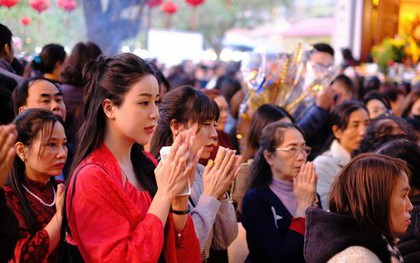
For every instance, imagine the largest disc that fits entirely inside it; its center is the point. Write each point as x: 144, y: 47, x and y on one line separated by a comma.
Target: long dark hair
x: 272, y: 136
x: 111, y: 78
x: 28, y: 125
x: 264, y: 115
x: 185, y: 105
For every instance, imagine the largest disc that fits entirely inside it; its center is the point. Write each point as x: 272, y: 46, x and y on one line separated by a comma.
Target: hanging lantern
x: 40, y: 5
x: 9, y: 3
x: 67, y: 5
x: 153, y: 3
x: 195, y: 3
x: 170, y: 7
x: 25, y: 21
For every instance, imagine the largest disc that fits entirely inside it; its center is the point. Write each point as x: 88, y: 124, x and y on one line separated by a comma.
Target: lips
x: 59, y: 165
x: 209, y: 147
x: 149, y: 129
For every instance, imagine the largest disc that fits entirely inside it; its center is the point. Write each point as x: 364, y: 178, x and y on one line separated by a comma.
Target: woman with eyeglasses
x: 283, y: 187
x: 348, y: 124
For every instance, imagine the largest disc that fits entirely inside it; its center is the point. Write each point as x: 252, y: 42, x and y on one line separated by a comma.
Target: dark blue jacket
x: 267, y: 223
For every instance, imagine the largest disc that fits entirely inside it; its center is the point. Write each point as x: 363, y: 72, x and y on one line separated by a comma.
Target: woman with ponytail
x: 33, y: 195
x: 118, y: 202
x: 49, y: 62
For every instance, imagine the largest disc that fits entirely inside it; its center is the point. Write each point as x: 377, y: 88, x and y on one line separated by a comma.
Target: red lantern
x: 153, y: 3
x: 40, y: 5
x: 67, y: 5
x: 170, y: 7
x: 25, y: 21
x: 9, y: 3
x: 195, y: 3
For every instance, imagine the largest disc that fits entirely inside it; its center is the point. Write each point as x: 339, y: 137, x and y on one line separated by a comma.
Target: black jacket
x: 327, y: 234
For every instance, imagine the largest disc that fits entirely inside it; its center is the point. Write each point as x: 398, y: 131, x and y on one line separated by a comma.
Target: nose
x: 54, y: 106
x: 62, y: 152
x: 155, y: 113
x: 410, y: 205
x: 301, y: 155
x: 213, y: 133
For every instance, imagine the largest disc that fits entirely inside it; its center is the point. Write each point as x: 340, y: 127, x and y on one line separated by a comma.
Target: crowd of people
x: 84, y: 176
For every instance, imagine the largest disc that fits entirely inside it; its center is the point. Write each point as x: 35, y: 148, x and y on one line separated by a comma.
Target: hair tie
x: 38, y: 59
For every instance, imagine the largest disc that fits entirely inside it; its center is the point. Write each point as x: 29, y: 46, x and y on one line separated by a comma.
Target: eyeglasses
x: 319, y: 68
x: 306, y: 150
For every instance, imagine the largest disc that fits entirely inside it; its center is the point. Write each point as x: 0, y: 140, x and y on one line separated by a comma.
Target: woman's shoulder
x: 355, y: 254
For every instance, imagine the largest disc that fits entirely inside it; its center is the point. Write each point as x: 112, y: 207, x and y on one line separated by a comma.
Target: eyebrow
x: 405, y: 189
x: 145, y: 94
x: 47, y: 95
x: 57, y: 139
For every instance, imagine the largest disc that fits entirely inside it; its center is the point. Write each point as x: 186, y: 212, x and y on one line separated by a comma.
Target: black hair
x: 382, y: 130
x: 341, y: 114
x: 324, y: 47
x: 348, y: 84
x: 407, y: 151
x: 111, y: 78
x: 29, y: 124
x: 375, y: 95
x: 21, y: 92
x: 272, y: 136
x: 5, y: 37
x: 264, y: 115
x: 50, y: 54
x: 185, y: 105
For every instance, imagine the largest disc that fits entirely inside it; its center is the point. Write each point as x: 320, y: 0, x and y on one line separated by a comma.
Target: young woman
x: 348, y: 123
x: 370, y: 207
x: 33, y: 194
x: 117, y: 209
x: 223, y: 139
x: 214, y: 217
x: 264, y: 115
x: 283, y: 187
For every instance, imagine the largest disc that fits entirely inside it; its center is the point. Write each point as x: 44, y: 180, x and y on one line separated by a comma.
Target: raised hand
x: 172, y: 174
x: 304, y: 185
x: 219, y: 175
x: 8, y: 136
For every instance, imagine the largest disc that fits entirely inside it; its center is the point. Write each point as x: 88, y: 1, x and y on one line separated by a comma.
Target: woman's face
x: 400, y: 205
x: 224, y: 111
x: 376, y: 108
x: 135, y: 119
x: 206, y: 137
x: 352, y: 135
x: 286, y: 161
x: 46, y: 156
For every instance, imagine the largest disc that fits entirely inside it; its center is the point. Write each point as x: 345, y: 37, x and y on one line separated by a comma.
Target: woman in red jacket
x: 117, y: 210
